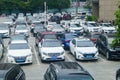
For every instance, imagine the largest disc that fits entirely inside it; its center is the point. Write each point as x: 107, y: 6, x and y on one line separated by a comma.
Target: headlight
x: 45, y: 53
x: 29, y: 55
x: 80, y: 53
x: 10, y: 56
x: 62, y: 53
x: 96, y: 53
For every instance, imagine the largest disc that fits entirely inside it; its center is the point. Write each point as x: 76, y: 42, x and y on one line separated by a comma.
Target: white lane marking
x: 36, y: 57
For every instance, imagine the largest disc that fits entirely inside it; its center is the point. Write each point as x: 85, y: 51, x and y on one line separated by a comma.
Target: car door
x: 72, y: 46
x: 103, y: 44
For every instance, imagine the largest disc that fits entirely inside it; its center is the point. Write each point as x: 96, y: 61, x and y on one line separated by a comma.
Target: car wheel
x: 118, y: 77
x: 108, y: 56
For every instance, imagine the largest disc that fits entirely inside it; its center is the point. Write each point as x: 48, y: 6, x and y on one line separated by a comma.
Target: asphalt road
x: 100, y: 70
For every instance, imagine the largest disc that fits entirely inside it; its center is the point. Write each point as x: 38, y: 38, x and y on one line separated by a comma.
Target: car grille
x: 53, y: 54
x: 20, y: 59
x: 95, y: 29
x: 86, y: 55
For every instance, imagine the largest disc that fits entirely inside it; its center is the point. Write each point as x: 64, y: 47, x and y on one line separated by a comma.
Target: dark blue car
x: 67, y: 38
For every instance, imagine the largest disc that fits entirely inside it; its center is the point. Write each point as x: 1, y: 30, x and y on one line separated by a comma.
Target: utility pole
x: 45, y: 13
x: 76, y: 7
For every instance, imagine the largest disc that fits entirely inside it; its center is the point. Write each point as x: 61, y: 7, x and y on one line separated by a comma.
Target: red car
x: 45, y: 35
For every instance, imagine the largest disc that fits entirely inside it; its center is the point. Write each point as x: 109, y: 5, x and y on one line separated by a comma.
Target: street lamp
x: 45, y: 13
x: 76, y: 7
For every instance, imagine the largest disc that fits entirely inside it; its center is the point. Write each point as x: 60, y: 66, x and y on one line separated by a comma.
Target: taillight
x: 93, y: 39
x: 67, y: 41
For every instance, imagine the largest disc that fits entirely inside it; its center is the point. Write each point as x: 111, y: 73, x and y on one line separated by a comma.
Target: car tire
x: 108, y: 56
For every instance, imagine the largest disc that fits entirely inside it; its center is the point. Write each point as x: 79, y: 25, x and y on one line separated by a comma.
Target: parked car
x: 67, y: 38
x: 19, y: 52
x: 4, y: 30
x: 51, y: 50
x: 22, y: 29
x: 83, y: 49
x: 75, y: 28
x: 40, y: 36
x: 66, y: 71
x: 104, y: 46
x: 10, y: 71
x: 91, y: 26
x: 107, y: 28
x: 118, y: 74
x: 38, y: 28
x: 93, y: 36
x: 1, y: 47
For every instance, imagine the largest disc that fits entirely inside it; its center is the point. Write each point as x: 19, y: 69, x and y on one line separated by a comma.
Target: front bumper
x: 19, y: 60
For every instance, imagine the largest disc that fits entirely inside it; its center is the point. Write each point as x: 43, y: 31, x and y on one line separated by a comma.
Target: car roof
x: 18, y: 41
x: 68, y: 67
x: 5, y: 67
x: 82, y: 39
x: 47, y: 32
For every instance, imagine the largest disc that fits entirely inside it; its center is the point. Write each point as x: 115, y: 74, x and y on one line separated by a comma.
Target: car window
x: 74, y: 42
x: 85, y: 44
x: 19, y: 46
x: 50, y: 44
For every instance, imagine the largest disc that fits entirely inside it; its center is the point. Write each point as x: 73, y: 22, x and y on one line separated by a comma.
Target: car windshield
x: 92, y: 24
x: 21, y: 27
x: 77, y: 77
x: 74, y: 26
x: 108, y: 25
x: 1, y: 78
x: 51, y: 44
x: 85, y: 44
x: 3, y: 27
x: 19, y: 46
x: 70, y: 36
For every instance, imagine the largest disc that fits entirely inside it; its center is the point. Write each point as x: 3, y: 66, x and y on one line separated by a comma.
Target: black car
x: 66, y: 71
x: 118, y: 74
x: 104, y: 46
x: 9, y: 71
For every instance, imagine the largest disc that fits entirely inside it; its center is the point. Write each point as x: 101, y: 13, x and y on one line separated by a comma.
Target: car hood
x: 108, y: 28
x: 21, y: 30
x: 52, y: 50
x: 87, y: 50
x: 4, y: 31
x: 19, y: 52
x: 76, y: 28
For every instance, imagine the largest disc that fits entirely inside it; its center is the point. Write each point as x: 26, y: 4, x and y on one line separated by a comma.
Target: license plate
x: 54, y: 58
x: 89, y: 56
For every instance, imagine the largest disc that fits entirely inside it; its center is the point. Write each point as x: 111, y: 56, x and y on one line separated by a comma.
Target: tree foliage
x: 31, y: 5
x: 116, y: 41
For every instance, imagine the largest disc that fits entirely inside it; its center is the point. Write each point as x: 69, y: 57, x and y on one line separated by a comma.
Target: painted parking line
x: 36, y: 56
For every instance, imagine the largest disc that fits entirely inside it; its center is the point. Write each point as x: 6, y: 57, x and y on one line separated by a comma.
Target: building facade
x: 104, y: 9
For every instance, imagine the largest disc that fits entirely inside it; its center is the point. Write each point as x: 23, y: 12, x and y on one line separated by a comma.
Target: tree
x: 116, y: 41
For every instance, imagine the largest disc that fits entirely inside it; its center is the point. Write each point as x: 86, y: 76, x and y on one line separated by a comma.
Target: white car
x: 22, y: 29
x: 91, y: 26
x: 51, y: 50
x: 58, y: 28
x: 75, y: 28
x: 4, y: 30
x: 19, y: 52
x: 107, y: 28
x: 83, y: 49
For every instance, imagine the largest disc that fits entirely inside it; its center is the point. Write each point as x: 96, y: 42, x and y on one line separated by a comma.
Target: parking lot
x: 101, y: 69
